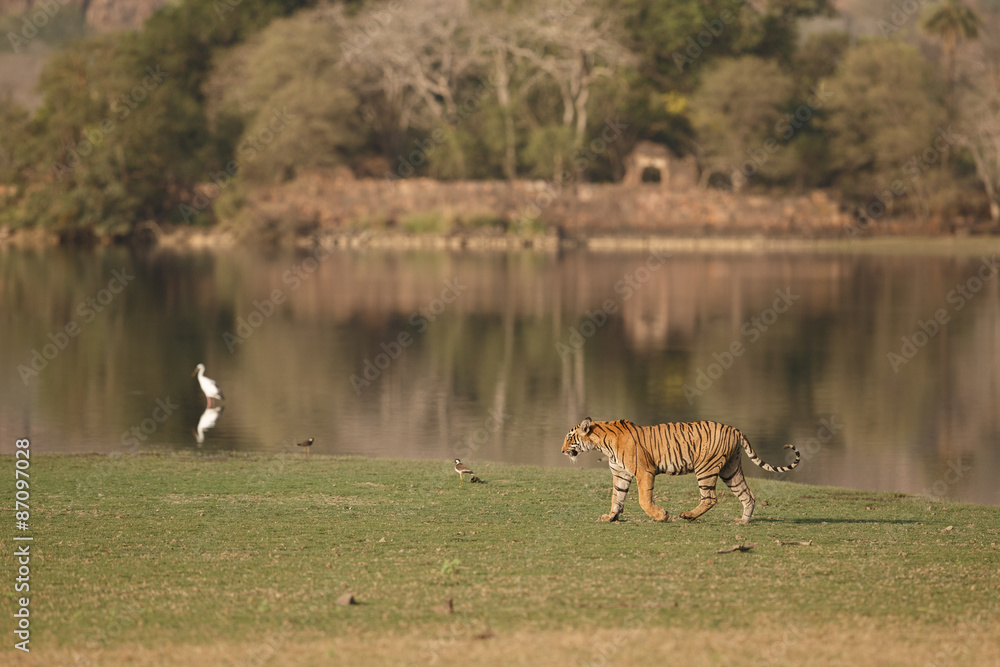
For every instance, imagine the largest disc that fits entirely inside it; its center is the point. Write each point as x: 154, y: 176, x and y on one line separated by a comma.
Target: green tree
x: 121, y: 135
x: 818, y: 57
x: 80, y: 130
x: 284, y: 88
x: 548, y: 151
x: 664, y: 34
x: 736, y: 112
x: 883, y: 111
x: 675, y: 38
x: 17, y: 149
x: 805, y: 161
x: 951, y: 22
x: 679, y: 41
x: 476, y: 146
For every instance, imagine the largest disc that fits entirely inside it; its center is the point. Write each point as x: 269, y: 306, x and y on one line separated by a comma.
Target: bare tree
x: 501, y: 51
x: 418, y: 60
x: 979, y: 116
x: 575, y: 49
x: 413, y: 59
x: 417, y: 56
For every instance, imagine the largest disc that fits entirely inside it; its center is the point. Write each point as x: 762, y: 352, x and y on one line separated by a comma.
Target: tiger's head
x: 578, y: 440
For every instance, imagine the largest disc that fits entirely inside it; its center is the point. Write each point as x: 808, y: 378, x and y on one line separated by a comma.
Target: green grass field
x: 239, y: 561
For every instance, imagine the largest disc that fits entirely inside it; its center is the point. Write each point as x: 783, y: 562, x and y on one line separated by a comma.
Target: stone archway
x: 648, y: 157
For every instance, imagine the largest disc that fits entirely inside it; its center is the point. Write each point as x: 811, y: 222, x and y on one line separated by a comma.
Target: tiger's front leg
x: 621, y: 480
x: 655, y: 512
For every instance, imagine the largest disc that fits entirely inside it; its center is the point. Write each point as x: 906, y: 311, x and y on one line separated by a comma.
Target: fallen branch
x: 736, y: 547
x: 795, y: 544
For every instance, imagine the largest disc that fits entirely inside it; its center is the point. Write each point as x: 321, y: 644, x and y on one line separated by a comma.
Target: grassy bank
x: 234, y: 560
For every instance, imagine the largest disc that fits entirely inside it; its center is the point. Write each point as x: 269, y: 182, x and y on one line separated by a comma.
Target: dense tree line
x: 176, y: 121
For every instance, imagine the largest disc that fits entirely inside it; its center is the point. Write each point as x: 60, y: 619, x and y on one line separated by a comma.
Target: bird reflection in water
x: 207, y: 421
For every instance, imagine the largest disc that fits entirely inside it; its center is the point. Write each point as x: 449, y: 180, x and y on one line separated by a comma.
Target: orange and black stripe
x: 709, y: 449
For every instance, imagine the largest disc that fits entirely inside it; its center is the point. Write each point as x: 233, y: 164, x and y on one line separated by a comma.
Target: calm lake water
x: 882, y: 367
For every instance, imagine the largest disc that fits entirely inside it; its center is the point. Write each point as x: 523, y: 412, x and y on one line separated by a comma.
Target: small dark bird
x: 476, y: 480
x: 307, y: 444
x: 447, y: 608
x: 462, y: 470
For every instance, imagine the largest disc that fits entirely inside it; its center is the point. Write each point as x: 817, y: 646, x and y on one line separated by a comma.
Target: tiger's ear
x: 585, y: 426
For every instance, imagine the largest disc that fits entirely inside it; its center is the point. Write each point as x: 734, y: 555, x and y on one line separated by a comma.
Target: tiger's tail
x: 767, y: 466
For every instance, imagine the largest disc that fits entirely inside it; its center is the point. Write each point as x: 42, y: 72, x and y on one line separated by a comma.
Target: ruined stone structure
x: 670, y: 171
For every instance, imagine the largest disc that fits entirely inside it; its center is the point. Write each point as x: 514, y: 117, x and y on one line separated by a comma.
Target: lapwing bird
x: 462, y: 470
x: 307, y: 444
x: 208, y: 385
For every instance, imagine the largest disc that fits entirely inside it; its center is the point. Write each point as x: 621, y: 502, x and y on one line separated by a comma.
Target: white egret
x: 207, y: 385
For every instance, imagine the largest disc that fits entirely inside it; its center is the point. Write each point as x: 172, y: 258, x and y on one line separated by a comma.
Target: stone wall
x: 341, y: 202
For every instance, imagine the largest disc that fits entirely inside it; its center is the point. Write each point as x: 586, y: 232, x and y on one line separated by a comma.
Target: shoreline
x: 340, y: 211
x: 264, y: 456
x: 221, y: 238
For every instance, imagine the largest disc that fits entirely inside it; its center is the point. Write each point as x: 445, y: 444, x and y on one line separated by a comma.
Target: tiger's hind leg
x: 706, y: 486
x: 733, y: 477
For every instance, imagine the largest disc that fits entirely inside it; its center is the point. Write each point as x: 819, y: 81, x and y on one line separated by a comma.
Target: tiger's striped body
x: 708, y: 449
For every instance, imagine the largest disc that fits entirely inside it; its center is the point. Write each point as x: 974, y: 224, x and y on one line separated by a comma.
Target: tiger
x: 708, y: 449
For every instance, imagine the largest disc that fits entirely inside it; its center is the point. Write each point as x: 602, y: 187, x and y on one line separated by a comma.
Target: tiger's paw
x: 608, y: 517
x: 688, y: 516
